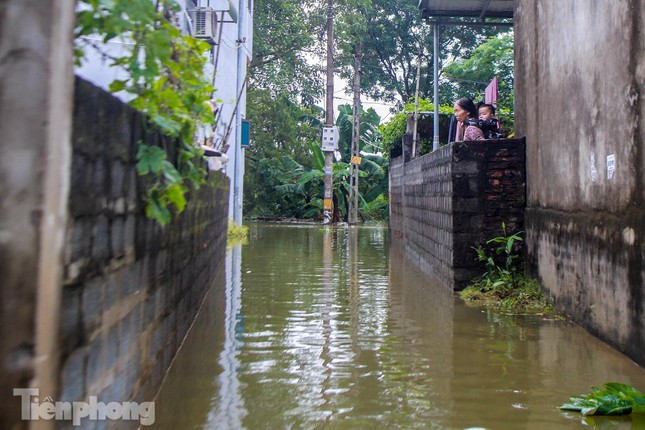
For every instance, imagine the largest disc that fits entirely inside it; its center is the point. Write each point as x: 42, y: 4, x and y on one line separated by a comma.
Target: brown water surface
x: 334, y: 328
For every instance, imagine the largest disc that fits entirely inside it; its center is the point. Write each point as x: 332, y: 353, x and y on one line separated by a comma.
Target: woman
x: 464, y: 110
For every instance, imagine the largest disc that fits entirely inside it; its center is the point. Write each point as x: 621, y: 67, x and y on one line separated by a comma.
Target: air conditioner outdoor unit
x: 204, y: 23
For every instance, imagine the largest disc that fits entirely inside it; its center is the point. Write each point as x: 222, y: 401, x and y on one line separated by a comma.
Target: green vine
x: 165, y: 78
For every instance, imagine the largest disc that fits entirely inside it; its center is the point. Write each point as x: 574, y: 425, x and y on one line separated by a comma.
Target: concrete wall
x: 131, y: 288
x: 446, y: 202
x: 580, y: 75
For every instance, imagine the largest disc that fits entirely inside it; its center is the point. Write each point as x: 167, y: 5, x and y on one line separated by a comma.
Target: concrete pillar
x: 36, y: 82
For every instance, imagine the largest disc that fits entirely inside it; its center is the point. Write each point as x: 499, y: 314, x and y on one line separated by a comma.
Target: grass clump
x: 503, y: 287
x: 522, y: 297
x: 236, y: 234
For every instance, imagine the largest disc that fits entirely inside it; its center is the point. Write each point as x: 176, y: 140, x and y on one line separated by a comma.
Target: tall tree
x: 287, y: 47
x: 393, y: 31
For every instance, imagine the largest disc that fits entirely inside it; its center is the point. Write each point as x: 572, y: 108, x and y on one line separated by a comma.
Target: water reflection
x: 336, y: 328
x: 227, y: 407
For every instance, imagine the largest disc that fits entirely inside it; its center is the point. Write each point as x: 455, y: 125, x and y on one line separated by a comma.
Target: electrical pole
x: 356, y: 135
x: 328, y: 204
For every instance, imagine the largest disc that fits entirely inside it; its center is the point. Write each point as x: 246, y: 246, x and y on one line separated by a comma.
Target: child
x: 490, y: 125
x: 486, y: 111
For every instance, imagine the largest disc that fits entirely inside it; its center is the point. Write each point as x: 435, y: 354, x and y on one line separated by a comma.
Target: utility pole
x: 328, y: 205
x: 352, y: 217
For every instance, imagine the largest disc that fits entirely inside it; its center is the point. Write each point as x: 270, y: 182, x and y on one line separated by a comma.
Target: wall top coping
x: 446, y: 151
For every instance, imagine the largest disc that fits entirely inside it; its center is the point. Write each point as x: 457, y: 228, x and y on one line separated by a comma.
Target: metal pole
x: 435, y: 66
x: 352, y: 217
x: 328, y: 205
x: 415, y: 133
x: 238, y: 173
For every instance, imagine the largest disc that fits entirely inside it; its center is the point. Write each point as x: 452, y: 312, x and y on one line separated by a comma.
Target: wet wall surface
x: 579, y: 101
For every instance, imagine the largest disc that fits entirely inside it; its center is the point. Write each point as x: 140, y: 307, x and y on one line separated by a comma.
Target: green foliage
x: 281, y: 126
x: 287, y: 36
x: 236, y: 234
x: 471, y: 75
x: 376, y: 209
x: 395, y: 128
x: 525, y: 297
x: 282, y: 134
x: 165, y: 80
x: 506, y: 249
x: 267, y: 191
x: 285, y: 166
x: 614, y: 399
x: 502, y: 287
x: 369, y: 137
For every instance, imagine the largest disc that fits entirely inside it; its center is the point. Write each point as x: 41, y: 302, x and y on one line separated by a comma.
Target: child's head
x: 486, y: 111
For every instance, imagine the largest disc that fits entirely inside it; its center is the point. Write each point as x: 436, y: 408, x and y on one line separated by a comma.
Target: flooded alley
x: 312, y: 327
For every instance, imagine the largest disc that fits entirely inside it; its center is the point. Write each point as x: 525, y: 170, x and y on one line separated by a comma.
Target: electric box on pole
x: 330, y: 137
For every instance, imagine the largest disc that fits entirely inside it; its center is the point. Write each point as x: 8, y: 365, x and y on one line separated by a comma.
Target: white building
x: 228, y: 26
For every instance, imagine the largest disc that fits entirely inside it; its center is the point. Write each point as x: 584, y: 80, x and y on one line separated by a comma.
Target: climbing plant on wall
x: 164, y: 78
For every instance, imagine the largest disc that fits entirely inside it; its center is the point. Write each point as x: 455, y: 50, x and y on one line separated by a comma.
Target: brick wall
x: 131, y: 288
x: 446, y: 202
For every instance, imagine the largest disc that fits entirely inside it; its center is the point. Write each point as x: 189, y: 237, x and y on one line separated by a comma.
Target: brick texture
x: 125, y: 276
x: 453, y: 199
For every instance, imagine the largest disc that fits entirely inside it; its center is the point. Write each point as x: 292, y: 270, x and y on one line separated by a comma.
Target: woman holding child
x: 464, y: 110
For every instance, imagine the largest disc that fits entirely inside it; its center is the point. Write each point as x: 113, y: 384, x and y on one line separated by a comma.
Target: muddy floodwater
x: 335, y: 328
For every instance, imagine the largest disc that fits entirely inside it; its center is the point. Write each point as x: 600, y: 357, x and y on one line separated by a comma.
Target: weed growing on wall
x: 502, y: 286
x: 165, y: 78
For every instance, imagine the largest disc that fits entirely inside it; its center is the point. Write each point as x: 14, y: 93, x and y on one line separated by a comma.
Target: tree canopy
x: 492, y: 58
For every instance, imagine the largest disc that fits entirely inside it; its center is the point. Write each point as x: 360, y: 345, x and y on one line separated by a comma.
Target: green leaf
x: 616, y: 399
x: 117, y: 86
x: 156, y: 210
x: 150, y: 159
x: 319, y: 157
x: 169, y: 125
x: 176, y: 195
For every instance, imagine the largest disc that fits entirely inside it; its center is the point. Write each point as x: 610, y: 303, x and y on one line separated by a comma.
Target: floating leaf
x: 615, y: 399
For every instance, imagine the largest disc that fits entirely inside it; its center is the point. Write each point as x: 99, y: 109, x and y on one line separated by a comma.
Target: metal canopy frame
x: 481, y: 9
x: 442, y: 11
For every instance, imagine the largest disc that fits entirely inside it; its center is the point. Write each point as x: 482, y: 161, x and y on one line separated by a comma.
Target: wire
x: 99, y: 39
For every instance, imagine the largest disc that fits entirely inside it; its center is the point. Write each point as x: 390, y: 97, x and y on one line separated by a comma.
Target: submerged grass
x: 503, y: 287
x: 521, y: 296
x: 236, y: 234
